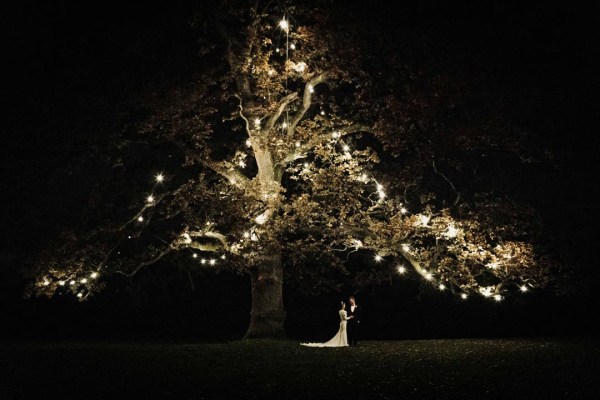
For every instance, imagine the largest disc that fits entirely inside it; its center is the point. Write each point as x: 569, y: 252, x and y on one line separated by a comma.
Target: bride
x: 341, y: 337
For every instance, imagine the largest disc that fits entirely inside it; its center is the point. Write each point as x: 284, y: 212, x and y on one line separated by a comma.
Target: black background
x: 69, y: 63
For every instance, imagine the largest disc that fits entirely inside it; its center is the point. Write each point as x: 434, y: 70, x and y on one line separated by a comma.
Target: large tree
x: 304, y: 141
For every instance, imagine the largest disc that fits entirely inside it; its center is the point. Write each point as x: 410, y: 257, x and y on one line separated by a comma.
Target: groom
x: 353, y: 323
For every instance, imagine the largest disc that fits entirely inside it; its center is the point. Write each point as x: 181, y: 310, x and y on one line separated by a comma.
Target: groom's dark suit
x: 353, y: 325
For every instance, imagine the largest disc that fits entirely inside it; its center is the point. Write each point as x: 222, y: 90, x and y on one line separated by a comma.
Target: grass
x: 431, y: 369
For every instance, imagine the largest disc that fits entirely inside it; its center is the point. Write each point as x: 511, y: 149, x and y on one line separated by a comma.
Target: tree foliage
x: 325, y: 139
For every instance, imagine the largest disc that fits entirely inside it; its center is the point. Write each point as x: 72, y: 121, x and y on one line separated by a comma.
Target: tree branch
x: 282, y: 104
x: 306, y: 101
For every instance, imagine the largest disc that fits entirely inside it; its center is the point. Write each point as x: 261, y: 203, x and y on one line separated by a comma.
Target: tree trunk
x: 267, y: 316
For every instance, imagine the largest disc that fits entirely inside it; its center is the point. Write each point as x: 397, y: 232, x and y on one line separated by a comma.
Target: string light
x: 428, y: 276
x: 72, y: 283
x: 246, y: 234
x: 297, y: 144
x: 403, y: 210
x: 284, y: 125
x: 405, y: 247
x: 378, y: 258
x: 401, y: 269
x: 186, y: 238
x: 497, y: 297
x: 442, y: 286
x: 94, y: 275
x: 80, y: 295
x: 463, y: 296
x: 159, y: 177
x: 46, y: 282
x: 248, y: 143
x: 212, y: 261
x: 424, y: 219
x: 203, y: 261
x: 322, y: 112
x: 311, y: 89
x: 84, y: 280
x: 261, y: 219
x: 61, y: 283
x: 293, y: 46
x: 195, y: 255
x: 257, y: 122
x: 283, y: 24
x: 242, y: 164
x: 140, y: 218
x: 524, y: 288
x: 335, y: 135
x: 451, y: 232
x: 150, y: 199
x: 223, y: 257
x: 346, y: 148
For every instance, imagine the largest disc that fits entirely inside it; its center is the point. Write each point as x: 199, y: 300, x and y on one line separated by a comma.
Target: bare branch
x: 229, y: 171
x: 457, y: 199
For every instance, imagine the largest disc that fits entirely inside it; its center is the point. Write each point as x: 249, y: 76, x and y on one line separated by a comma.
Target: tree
x: 303, y: 145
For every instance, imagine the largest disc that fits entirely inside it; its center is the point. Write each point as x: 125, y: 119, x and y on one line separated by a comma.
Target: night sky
x: 70, y: 64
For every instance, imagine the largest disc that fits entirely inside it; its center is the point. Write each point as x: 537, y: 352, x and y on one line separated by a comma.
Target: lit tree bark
x: 268, y: 315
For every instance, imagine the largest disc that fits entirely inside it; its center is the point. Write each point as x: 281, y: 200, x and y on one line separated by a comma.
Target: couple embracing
x: 347, y: 335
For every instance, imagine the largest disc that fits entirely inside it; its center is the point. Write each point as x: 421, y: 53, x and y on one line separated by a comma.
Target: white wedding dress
x: 341, y: 337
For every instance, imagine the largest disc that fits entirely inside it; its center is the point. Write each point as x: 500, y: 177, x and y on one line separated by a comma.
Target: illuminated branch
x: 300, y: 152
x: 306, y: 101
x: 283, y: 103
x: 229, y: 171
x: 241, y: 107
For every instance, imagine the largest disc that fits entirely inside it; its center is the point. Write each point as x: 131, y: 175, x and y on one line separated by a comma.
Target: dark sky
x: 68, y: 61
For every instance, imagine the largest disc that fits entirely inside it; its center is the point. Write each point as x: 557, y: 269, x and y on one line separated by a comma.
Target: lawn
x: 415, y: 369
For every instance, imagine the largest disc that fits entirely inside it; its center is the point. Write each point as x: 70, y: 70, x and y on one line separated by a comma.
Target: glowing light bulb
x: 159, y: 178
x: 463, y: 296
x: 293, y: 46
x: 306, y: 165
x: 72, y: 283
x: 322, y: 112
x: 223, y: 257
x: 61, y: 283
x: 150, y: 199
x: 242, y: 164
x: 403, y: 210
x: 451, y: 232
x: 257, y: 122
x: 524, y: 288
x: 140, y: 218
x: 212, y: 261
x: 297, y: 144
x: 270, y: 72
x: 378, y: 258
x: 261, y: 219
x: 186, y: 238
x: 425, y: 219
x: 232, y: 181
x: 401, y: 269
x: 497, y: 297
x: 248, y: 143
x: 405, y: 247
x: 284, y: 125
x: 428, y: 276
x: 442, y: 286
x: 203, y: 261
x: 80, y: 295
x: 84, y: 280
x: 246, y: 234
x: 335, y: 135
x: 311, y: 89
x: 346, y: 148
x: 94, y: 275
x: 277, y: 50
x: 46, y: 282
x: 283, y: 24
x: 195, y: 255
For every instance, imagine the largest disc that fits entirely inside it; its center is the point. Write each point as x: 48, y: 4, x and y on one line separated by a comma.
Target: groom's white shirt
x: 352, y: 308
